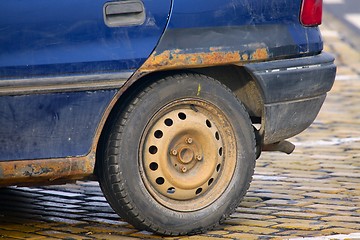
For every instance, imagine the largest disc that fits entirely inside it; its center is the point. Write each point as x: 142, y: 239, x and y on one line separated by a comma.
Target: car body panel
x: 49, y: 37
x: 50, y: 125
x: 225, y: 32
x: 292, y: 93
x: 51, y: 49
x: 60, y: 81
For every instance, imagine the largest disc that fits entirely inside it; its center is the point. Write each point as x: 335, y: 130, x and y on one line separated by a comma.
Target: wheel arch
x: 241, y: 83
x: 236, y: 78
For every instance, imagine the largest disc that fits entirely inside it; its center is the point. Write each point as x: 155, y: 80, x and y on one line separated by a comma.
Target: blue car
x: 166, y: 103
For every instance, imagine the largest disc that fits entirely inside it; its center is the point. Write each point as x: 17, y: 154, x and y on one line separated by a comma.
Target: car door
x: 48, y: 37
x: 56, y: 58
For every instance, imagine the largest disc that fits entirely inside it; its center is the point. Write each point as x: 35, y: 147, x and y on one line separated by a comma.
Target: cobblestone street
x: 311, y: 193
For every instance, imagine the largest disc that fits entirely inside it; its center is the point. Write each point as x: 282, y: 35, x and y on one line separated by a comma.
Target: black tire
x: 139, y: 164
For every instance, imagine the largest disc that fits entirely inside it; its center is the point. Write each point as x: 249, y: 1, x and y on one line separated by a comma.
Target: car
x: 166, y: 103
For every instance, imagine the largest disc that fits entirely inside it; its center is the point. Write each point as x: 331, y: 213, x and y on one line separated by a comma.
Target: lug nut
x: 188, y: 140
x: 198, y: 157
x: 173, y: 152
x: 183, y: 169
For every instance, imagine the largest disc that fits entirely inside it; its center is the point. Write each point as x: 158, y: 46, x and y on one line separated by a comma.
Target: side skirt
x: 46, y: 171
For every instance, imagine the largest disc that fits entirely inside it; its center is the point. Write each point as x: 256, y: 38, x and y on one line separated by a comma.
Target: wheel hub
x: 186, y: 155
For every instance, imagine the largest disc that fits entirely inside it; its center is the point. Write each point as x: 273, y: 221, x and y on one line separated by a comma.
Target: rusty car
x: 166, y: 103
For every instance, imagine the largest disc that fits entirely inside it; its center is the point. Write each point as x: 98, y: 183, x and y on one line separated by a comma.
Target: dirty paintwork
x: 178, y: 58
x: 53, y: 125
x: 67, y: 97
x: 52, y: 135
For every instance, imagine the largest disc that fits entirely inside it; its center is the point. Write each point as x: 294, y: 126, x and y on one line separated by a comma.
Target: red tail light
x: 311, y: 12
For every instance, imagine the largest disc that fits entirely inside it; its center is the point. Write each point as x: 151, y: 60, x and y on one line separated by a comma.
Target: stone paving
x: 313, y: 192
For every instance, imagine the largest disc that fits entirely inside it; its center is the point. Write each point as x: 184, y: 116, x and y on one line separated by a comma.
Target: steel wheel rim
x: 187, y: 154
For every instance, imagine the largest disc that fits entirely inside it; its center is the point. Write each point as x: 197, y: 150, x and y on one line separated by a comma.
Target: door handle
x: 124, y: 13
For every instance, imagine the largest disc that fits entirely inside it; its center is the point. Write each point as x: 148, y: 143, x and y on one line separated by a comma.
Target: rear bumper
x: 293, y: 92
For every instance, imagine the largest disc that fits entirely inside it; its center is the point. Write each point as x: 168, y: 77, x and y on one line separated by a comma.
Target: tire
x: 179, y: 157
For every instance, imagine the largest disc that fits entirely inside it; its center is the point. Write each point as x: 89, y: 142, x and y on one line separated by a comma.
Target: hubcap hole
x: 182, y: 115
x: 220, y: 151
x: 154, y: 166
x: 160, y: 180
x: 171, y: 190
x: 210, y: 181
x: 158, y: 134
x: 153, y: 149
x: 217, y: 136
x: 168, y: 122
x: 218, y: 167
x: 198, y: 191
x: 208, y: 123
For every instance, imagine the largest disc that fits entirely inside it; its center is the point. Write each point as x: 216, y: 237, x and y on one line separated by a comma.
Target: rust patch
x: 45, y: 171
x: 245, y: 57
x: 174, y: 59
x: 171, y: 59
x: 260, y: 54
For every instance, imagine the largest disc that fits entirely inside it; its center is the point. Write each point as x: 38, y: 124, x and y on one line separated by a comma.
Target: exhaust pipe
x: 282, y: 146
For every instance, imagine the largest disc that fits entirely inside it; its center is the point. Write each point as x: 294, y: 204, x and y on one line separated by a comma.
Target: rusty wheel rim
x: 188, y: 155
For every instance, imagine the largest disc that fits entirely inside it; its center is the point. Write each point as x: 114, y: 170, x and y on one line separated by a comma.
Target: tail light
x: 311, y: 12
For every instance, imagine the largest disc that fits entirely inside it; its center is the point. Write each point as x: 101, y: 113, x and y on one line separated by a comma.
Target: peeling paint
x: 30, y: 170
x: 177, y: 58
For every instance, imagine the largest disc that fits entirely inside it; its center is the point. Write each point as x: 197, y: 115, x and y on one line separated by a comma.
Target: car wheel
x: 179, y: 157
